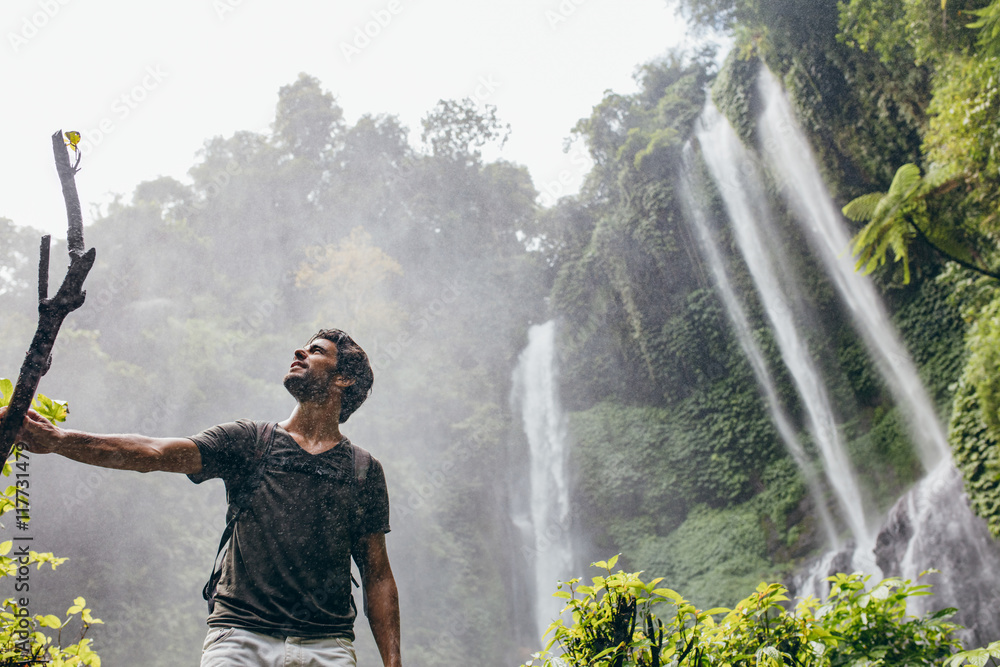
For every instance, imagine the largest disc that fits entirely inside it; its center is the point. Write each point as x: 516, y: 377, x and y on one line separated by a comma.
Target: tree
x: 349, y: 279
x: 308, y: 121
x: 458, y: 129
x: 51, y: 311
x: 898, y: 216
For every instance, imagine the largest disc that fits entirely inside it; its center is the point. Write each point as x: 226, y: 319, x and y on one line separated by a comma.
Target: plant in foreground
x: 620, y: 621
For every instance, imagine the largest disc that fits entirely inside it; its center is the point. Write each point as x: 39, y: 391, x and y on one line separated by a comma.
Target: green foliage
x: 933, y: 329
x: 976, y: 449
x: 734, y: 92
x: 963, y: 138
x: 698, y: 495
x: 619, y: 286
x: 889, y: 227
x: 619, y: 621
x: 977, y: 656
x: 22, y: 637
x: 870, y: 624
x: 457, y: 130
x: 989, y: 28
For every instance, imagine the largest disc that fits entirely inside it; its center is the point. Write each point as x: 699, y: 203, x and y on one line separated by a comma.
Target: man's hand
x: 37, y: 434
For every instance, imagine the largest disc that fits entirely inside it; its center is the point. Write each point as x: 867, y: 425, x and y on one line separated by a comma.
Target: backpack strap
x: 239, y: 499
x: 362, y: 459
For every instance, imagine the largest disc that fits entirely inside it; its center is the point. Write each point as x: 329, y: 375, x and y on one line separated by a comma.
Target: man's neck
x: 315, y: 426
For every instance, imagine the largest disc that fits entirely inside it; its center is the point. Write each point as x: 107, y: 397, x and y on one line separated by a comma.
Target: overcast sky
x: 148, y: 83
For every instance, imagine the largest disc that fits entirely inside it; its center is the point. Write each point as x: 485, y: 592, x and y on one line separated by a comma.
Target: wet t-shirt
x: 288, y: 567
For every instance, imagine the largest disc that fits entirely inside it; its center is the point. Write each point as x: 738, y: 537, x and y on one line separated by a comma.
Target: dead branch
x: 51, y: 311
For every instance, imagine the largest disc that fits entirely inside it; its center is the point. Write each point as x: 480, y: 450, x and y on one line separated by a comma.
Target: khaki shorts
x: 235, y: 647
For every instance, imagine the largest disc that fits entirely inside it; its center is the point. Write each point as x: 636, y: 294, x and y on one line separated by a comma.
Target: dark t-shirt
x: 288, y: 567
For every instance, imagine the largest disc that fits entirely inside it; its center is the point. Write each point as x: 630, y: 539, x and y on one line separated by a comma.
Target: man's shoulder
x: 227, y: 448
x: 364, y: 462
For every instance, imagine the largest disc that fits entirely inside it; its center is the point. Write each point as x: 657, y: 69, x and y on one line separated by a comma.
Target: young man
x: 284, y: 593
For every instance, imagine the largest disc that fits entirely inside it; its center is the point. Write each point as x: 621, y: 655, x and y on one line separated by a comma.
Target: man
x: 284, y: 593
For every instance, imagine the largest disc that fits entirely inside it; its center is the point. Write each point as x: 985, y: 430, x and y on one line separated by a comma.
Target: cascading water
x: 545, y: 522
x: 788, y: 151
x: 691, y: 184
x: 931, y: 526
x: 746, y: 204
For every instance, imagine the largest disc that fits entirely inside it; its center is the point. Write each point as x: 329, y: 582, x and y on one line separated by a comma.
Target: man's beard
x: 307, y: 387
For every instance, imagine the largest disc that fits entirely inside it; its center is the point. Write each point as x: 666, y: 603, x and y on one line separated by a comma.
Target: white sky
x: 218, y: 64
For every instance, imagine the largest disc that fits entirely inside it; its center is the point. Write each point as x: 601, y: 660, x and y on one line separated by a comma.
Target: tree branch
x: 67, y: 176
x: 51, y: 311
x: 947, y: 255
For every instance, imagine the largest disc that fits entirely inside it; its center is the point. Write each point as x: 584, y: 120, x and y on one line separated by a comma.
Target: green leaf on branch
x: 6, y: 391
x: 53, y: 410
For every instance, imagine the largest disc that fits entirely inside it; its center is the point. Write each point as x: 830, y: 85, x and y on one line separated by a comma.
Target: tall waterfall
x: 931, y: 526
x: 545, y: 522
x: 695, y: 209
x: 786, y: 147
x: 746, y: 204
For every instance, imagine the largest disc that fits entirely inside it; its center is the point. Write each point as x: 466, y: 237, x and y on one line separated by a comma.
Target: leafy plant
x: 895, y: 218
x: 618, y: 621
x: 977, y: 656
x: 22, y: 641
x: 989, y: 28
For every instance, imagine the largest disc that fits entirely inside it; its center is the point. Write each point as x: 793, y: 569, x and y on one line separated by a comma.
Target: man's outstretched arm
x: 124, y: 452
x: 383, y: 598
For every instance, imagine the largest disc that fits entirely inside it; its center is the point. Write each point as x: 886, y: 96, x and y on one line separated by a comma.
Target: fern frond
x: 862, y: 208
x: 905, y: 182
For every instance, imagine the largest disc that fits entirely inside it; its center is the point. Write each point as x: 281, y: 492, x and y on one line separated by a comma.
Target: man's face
x: 311, y: 375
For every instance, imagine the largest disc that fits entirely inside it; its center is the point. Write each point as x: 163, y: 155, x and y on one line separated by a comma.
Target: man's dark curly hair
x: 352, y: 363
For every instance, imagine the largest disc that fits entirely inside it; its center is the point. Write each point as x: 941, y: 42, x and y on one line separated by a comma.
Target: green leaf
x: 978, y: 657
x: 6, y: 391
x: 862, y: 208
x: 49, y: 621
x: 53, y: 410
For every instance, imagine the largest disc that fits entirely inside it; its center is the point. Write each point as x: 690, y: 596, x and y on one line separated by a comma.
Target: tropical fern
x: 888, y: 227
x: 989, y: 28
x: 898, y: 216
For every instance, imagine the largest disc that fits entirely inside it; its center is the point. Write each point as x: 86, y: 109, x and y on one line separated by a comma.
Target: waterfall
x: 931, y: 526
x: 545, y: 521
x: 787, y: 149
x: 691, y: 184
x: 745, y: 200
